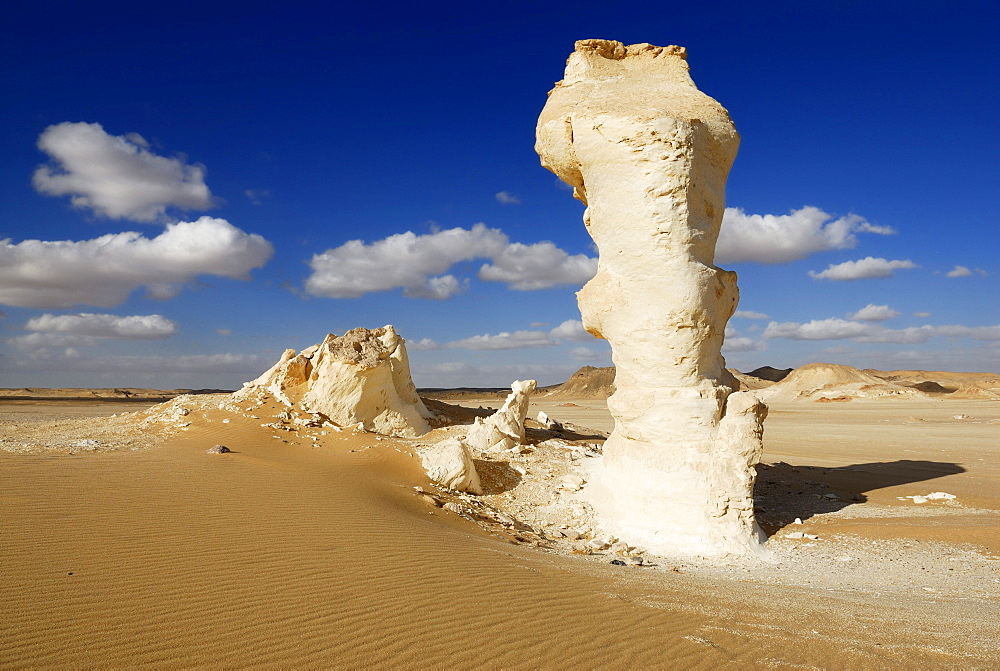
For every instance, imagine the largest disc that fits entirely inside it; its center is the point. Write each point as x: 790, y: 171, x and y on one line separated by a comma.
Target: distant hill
x: 588, y: 382
x: 770, y: 374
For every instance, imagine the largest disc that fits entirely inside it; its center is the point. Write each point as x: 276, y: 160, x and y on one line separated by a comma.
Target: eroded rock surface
x: 362, y: 377
x: 648, y: 154
x: 504, y: 429
x: 450, y: 464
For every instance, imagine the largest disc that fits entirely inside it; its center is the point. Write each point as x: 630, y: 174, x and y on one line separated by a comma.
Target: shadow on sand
x: 783, y: 492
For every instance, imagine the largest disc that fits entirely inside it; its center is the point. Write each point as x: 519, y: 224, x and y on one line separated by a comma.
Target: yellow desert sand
x: 123, y: 543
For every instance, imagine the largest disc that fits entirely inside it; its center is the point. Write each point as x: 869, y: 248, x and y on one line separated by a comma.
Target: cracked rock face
x: 648, y: 154
x: 361, y: 376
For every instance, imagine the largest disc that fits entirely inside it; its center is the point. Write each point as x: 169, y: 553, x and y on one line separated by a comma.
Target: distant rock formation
x: 648, y: 154
x: 362, y: 376
x: 504, y: 429
x: 588, y: 382
x: 830, y: 381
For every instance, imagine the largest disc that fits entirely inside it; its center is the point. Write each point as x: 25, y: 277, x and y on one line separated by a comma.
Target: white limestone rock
x: 360, y: 378
x: 504, y: 429
x: 449, y: 464
x: 648, y: 154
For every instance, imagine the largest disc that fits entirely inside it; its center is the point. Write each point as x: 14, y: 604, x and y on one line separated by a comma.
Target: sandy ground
x: 123, y: 543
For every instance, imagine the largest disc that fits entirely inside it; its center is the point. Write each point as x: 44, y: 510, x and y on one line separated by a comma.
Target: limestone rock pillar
x: 648, y: 154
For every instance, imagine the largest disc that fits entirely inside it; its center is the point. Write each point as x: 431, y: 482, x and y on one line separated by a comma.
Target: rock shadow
x: 783, y: 492
x: 496, y: 477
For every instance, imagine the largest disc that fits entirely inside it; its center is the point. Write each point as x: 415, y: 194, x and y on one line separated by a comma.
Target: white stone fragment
x: 449, y: 464
x: 547, y: 421
x: 648, y: 154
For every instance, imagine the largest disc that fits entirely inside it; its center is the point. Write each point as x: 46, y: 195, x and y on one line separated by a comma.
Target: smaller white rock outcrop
x: 361, y: 377
x: 504, y: 429
x: 449, y: 464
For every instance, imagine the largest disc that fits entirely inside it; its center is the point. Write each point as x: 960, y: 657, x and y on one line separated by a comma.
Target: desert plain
x: 123, y: 543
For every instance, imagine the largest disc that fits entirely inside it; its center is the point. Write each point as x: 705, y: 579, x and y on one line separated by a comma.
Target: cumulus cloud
x: 571, y: 329
x: 741, y: 345
x: 505, y: 340
x: 749, y: 314
x: 418, y: 263
x: 105, y: 270
x: 873, y: 313
x: 862, y: 269
x: 772, y: 238
x: 584, y: 354
x: 87, y: 329
x: 507, y: 198
x: 437, y: 288
x: 117, y: 176
x: 840, y: 329
x: 403, y: 260
x: 538, y: 266
x: 132, y: 327
x: 959, y: 271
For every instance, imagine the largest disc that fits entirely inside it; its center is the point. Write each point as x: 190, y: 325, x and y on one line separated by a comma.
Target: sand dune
x: 295, y: 552
x: 834, y: 382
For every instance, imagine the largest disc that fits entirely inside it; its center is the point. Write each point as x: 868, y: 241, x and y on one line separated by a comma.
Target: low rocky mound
x: 599, y: 383
x: 748, y: 382
x: 588, y: 382
x: 930, y: 387
x: 956, y: 385
x: 976, y: 391
x: 830, y: 381
x: 361, y: 377
x: 769, y: 373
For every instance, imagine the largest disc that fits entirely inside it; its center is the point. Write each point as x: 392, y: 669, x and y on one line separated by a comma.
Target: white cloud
x: 873, y: 313
x: 741, y: 345
x: 571, y: 329
x: 840, y: 329
x: 105, y: 270
x: 416, y: 264
x: 505, y: 340
x: 749, y: 314
x: 922, y: 315
x: 117, y: 176
x: 538, y: 266
x: 584, y: 354
x: 437, y: 288
x: 862, y: 269
x: 959, y: 271
x: 257, y: 196
x: 87, y: 329
x: 132, y: 327
x: 403, y: 260
x: 422, y: 345
x: 770, y: 238
x: 507, y: 198
x: 822, y: 329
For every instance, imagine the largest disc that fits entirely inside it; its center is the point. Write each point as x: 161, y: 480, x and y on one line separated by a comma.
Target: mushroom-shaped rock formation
x: 648, y: 154
x: 504, y: 429
x: 362, y: 376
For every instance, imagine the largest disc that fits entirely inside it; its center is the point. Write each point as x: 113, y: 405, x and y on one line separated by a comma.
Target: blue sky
x: 179, y: 182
